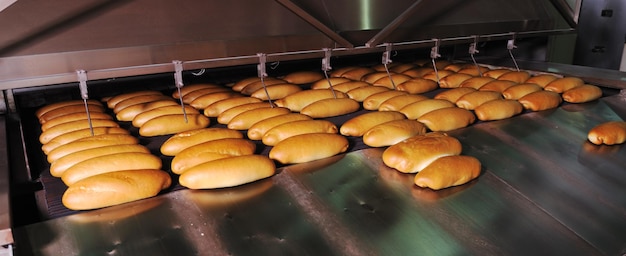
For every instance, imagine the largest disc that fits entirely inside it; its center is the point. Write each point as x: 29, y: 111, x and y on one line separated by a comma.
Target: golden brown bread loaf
x: 79, y: 134
x: 57, y: 105
x: 358, y: 125
x: 474, y: 71
x: 303, y: 77
x: 497, y: 86
x: 113, y: 101
x: 563, y: 84
x: 495, y: 73
x: 110, y: 163
x: 373, y: 101
x: 581, y: 94
x: 398, y: 102
x: 498, y: 109
x: 253, y: 87
x: 417, y: 85
x: 325, y: 83
x: 276, y: 91
x: 454, y: 80
x: 401, y: 67
x: 416, y: 153
x: 418, y: 72
x: 129, y: 113
x: 171, y: 124
x: 308, y: 147
x: 476, y: 82
x: 144, y: 117
x: 220, y: 106
x: 58, y: 167
x: 436, y: 76
x: 90, y: 142
x: 452, y: 95
x: 138, y: 100
x: 192, y: 87
x: 357, y: 73
x: 608, y: 133
x: 246, y: 119
x: 541, y: 80
x: 373, y: 77
x: 361, y: 93
x: 210, y: 150
x: 520, y: 90
x: 257, y: 130
x: 342, y: 70
x: 227, y: 115
x: 205, y: 100
x: 295, y: 102
x: 115, y: 188
x: 392, y: 83
x: 515, y: 76
x: 290, y: 129
x: 56, y: 113
x: 331, y: 107
x: 228, y: 172
x: 182, y: 140
x: 472, y: 100
x: 447, y: 119
x: 239, y: 85
x: 347, y: 86
x: 392, y: 132
x: 448, y: 171
x: 192, y: 95
x: 417, y: 109
x: 64, y: 128
x: 540, y: 100
x: 74, y: 117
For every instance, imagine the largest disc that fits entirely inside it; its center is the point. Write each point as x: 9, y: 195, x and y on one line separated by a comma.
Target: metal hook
x: 262, y: 73
x: 326, y: 67
x: 178, y: 80
x: 82, y: 85
x: 386, y: 60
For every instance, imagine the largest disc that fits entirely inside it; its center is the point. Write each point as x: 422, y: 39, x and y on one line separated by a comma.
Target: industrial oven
x: 543, y: 189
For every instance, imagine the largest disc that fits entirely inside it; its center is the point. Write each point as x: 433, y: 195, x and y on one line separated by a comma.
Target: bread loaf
x: 303, y: 77
x: 61, y: 129
x: 142, y: 118
x: 90, y: 142
x: 436, y: 76
x: 182, y: 140
x: 373, y: 101
x: 257, y: 130
x: 326, y: 83
x: 58, y: 167
x: 418, y: 72
x: 541, y: 80
x: 417, y: 109
x: 308, y: 147
x: 74, y: 117
x: 416, y: 153
x: 474, y: 71
x: 228, y: 172
x: 347, y: 86
x: 454, y: 80
x: 358, y: 125
x: 295, y: 102
x: 417, y: 85
x: 226, y: 116
x: 138, y: 100
x: 392, y: 83
x: 447, y: 119
x: 220, y: 106
x: 113, y: 101
x: 57, y: 105
x: 196, y: 154
x: 276, y: 91
x: 515, y: 76
x: 239, y: 85
x: 331, y: 107
x: 472, y: 100
x: 517, y: 91
x: 357, y: 73
x: 497, y: 86
x: 583, y: 93
x: 401, y: 67
x: 115, y: 188
x: 192, y: 95
x: 373, y: 77
x: 171, y: 124
x: 290, y: 129
x: 192, y: 87
x: 55, y: 113
x: 563, y: 84
x: 392, y: 132
x: 79, y: 134
x: 253, y: 87
x: 182, y: 163
x: 110, y: 163
x: 495, y: 73
x: 359, y: 94
x: 540, y: 100
x: 453, y: 95
x: 448, y: 171
x: 398, y: 102
x: 498, y: 109
x: 608, y: 133
x: 248, y: 118
x: 129, y: 113
x: 476, y: 82
x: 342, y: 70
x: 205, y: 100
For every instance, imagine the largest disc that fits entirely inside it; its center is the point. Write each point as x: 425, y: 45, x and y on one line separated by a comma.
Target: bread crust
x: 448, y: 171
x: 228, y: 172
x: 308, y: 147
x: 416, y: 153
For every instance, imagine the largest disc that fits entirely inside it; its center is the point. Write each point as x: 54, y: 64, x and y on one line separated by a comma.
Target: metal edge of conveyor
x: 6, y: 233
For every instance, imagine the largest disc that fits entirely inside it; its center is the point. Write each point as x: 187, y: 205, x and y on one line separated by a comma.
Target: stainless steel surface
x: 6, y: 233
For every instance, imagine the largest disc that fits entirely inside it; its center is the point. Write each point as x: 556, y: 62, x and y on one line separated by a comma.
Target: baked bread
x: 171, y: 124
x: 398, y: 102
x: 581, y: 94
x: 454, y: 80
x: 608, y: 133
x: 79, y: 134
x: 417, y: 109
x: 541, y: 80
x: 373, y: 101
x: 563, y: 84
x: 226, y: 116
x: 74, y: 117
x: 205, y: 100
x: 497, y: 86
x: 448, y: 171
x: 211, y: 150
x: 373, y: 77
x: 495, y: 73
x: 541, y: 100
x: 239, y: 85
x: 255, y: 86
x: 358, y: 125
x: 416, y: 153
x: 515, y: 76
x: 129, y: 113
x: 303, y: 77
x: 418, y: 72
x: 326, y: 83
x: 257, y: 130
x: 452, y: 95
x: 276, y: 91
x: 357, y: 73
x: 498, y: 109
x: 472, y: 100
x: 359, y: 94
x: 138, y: 100
x: 144, y: 117
x: 436, y: 76
x: 64, y: 128
x: 228, y: 172
x: 182, y: 140
x: 113, y: 101
x: 474, y: 71
x: 347, y: 86
x: 517, y: 91
x: 192, y: 87
x: 295, y: 102
x: 55, y: 113
x: 192, y: 95
x: 90, y: 142
x: 476, y: 82
x: 220, y: 106
x: 392, y: 83
x: 308, y: 147
x: 331, y: 107
x: 290, y: 129
x: 110, y: 163
x: 417, y: 85
x: 392, y: 132
x: 58, y: 105
x: 58, y: 167
x: 447, y: 119
x: 248, y: 118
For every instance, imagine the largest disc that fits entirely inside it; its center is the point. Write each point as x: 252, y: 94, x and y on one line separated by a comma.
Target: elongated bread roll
x: 74, y: 117
x: 515, y: 76
x: 110, y: 163
x: 373, y: 77
x: 495, y: 73
x: 454, y: 67
x: 416, y: 153
x: 239, y: 85
x: 142, y: 118
x: 276, y: 91
x: 61, y: 129
x: 392, y: 83
x: 326, y: 83
x: 290, y: 129
x: 357, y: 73
x: 342, y: 70
x: 498, y: 109
x: 361, y: 93
x: 226, y: 116
x: 253, y: 87
x: 113, y: 101
x: 418, y: 109
x: 401, y: 67
x: 192, y: 87
x: 195, y: 154
x: 248, y: 118
x: 295, y: 102
x: 418, y: 72
x: 220, y: 106
x: 331, y: 107
x: 474, y: 99
x: 398, y: 102
x: 474, y: 71
x: 228, y: 172
x: 417, y: 85
x: 79, y: 134
x: 129, y: 113
x: 171, y: 124
x: 56, y: 113
x: 49, y: 107
x: 436, y: 76
x: 454, y: 80
x: 303, y: 77
x: 308, y: 147
x: 58, y: 167
x: 563, y: 84
x: 392, y: 132
x: 608, y: 133
x: 447, y: 119
x: 257, y: 130
x: 520, y: 90
x: 182, y: 140
x: 583, y: 93
x: 138, y: 100
x: 192, y: 95
x: 448, y: 171
x: 541, y: 100
x: 541, y: 80
x: 476, y: 82
x: 90, y: 142
x: 497, y: 86
x: 115, y: 188
x: 347, y: 86
x: 205, y: 100
x: 453, y: 95
x: 358, y: 125
x: 373, y: 101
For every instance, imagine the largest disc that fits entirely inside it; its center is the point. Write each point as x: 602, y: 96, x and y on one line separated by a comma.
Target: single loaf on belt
x: 64, y: 128
x: 358, y: 125
x: 138, y: 100
x: 290, y: 129
x: 452, y: 95
x: 581, y: 94
x: 541, y: 100
x: 308, y: 147
x: 498, y: 109
x: 515, y: 76
x: 392, y: 132
x: 326, y: 83
x: 276, y: 91
x: 541, y: 80
x: 454, y: 80
x: 447, y: 119
x: 373, y: 77
x: 474, y: 99
x: 608, y: 133
x: 205, y: 100
x: 110, y: 163
x: 90, y: 142
x: 257, y: 130
x: 331, y: 107
x: 191, y: 88
x: 115, y: 188
x: 182, y: 140
x: 60, y: 165
x: 563, y: 84
x: 357, y: 73
x: 517, y: 91
x: 79, y: 134
x: 193, y: 95
x: 255, y: 86
x: 211, y: 150
x: 113, y: 101
x: 347, y: 86
x: 144, y: 117
x: 55, y: 113
x: 295, y: 102
x: 226, y: 116
x: 497, y: 86
x: 436, y: 76
x: 414, y: 154
x: 476, y: 82
x: 58, y: 105
x: 73, y: 117
x: 495, y: 73
x: 131, y: 112
x: 171, y: 124
x: 241, y: 84
x: 400, y: 67
x: 417, y: 85
x: 417, y: 109
x: 248, y: 118
x: 220, y: 106
x: 392, y: 83
x: 398, y: 102
x: 361, y: 93
x: 228, y: 172
x: 448, y: 171
x: 373, y: 101
x: 303, y: 77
